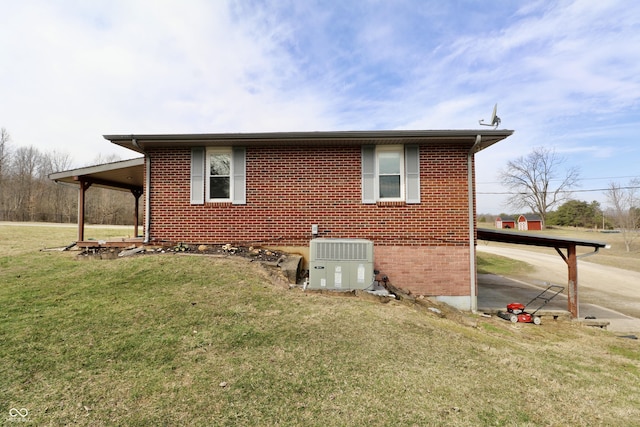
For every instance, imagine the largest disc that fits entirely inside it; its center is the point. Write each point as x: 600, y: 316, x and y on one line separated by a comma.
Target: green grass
x: 496, y: 264
x: 194, y: 340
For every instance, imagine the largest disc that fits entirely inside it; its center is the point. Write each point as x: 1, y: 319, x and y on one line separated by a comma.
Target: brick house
x: 410, y: 192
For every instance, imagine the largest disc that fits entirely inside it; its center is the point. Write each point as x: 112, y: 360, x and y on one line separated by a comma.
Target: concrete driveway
x: 606, y: 293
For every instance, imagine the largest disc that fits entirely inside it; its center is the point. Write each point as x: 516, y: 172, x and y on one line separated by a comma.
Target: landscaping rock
x: 290, y: 266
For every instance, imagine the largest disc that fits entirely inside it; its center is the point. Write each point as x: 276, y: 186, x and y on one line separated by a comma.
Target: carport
x: 570, y: 257
x: 126, y: 175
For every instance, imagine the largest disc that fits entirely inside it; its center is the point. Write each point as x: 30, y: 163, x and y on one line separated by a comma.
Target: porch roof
x: 521, y: 238
x: 126, y: 175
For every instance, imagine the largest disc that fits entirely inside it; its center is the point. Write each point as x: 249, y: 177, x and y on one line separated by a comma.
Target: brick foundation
x: 425, y: 270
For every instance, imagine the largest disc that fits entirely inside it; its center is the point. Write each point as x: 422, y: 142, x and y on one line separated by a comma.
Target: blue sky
x: 565, y: 74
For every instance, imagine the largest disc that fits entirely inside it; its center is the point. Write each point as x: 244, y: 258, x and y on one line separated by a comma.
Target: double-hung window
x: 390, y: 173
x: 218, y: 169
x: 218, y: 175
x: 390, y: 168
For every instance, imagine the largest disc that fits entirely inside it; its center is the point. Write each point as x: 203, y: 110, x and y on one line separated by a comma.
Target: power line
x: 581, y: 179
x: 594, y: 190
x: 608, y: 177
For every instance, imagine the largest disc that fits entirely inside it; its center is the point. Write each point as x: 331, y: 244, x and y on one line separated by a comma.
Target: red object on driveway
x: 515, y: 311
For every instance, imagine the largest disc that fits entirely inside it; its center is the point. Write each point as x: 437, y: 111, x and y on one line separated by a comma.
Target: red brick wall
x: 291, y: 188
x: 426, y: 270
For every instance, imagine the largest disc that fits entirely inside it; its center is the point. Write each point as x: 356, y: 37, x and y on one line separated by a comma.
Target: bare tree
x: 625, y: 203
x: 5, y: 138
x: 22, y: 194
x: 57, y: 202
x: 539, y: 181
x: 4, y: 166
x: 104, y: 206
x: 27, y: 193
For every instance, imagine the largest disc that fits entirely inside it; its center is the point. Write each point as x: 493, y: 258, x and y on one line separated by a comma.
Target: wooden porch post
x: 84, y: 186
x: 572, y: 263
x: 571, y: 259
x: 136, y: 193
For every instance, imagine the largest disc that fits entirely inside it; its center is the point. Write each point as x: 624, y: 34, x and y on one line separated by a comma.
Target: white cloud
x: 564, y: 74
x: 130, y: 68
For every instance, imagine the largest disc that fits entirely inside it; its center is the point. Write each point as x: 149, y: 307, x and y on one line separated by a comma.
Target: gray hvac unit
x: 340, y: 264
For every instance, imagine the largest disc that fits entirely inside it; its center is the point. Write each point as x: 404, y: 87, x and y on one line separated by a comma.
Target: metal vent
x: 342, y: 251
x: 340, y: 264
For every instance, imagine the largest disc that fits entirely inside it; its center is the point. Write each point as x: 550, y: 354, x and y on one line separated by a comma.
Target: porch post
x: 572, y: 263
x: 84, y: 186
x: 571, y: 259
x: 136, y: 193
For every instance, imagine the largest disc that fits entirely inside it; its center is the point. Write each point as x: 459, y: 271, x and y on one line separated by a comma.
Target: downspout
x: 472, y: 237
x: 147, y: 190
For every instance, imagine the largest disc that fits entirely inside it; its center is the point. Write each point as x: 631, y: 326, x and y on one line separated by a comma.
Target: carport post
x: 572, y: 291
x: 572, y: 263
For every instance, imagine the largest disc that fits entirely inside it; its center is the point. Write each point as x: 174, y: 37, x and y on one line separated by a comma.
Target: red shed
x: 505, y: 223
x: 529, y: 222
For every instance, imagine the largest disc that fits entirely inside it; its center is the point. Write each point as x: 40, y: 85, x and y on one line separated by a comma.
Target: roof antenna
x: 495, y: 120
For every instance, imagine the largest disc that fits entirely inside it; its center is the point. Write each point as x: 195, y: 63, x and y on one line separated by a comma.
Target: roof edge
x: 488, y: 137
x: 356, y: 134
x: 533, y: 239
x: 87, y: 170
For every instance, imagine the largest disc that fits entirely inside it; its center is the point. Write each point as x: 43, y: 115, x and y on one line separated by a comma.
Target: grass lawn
x: 496, y: 264
x: 196, y: 340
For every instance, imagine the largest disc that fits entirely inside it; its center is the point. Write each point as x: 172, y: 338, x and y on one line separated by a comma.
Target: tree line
x: 27, y: 193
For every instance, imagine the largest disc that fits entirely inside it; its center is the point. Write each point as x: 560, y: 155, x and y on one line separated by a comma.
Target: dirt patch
x: 286, y: 266
x: 249, y: 252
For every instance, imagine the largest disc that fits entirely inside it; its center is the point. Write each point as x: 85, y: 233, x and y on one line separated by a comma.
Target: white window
x: 219, y: 183
x: 390, y: 173
x: 218, y: 175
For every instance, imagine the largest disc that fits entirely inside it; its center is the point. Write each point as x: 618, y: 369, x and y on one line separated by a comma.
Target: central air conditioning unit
x: 340, y: 264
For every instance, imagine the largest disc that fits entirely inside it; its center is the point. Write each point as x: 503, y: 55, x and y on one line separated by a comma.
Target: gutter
x: 352, y: 138
x: 472, y: 241
x: 147, y: 190
x: 64, y: 184
x: 595, y: 251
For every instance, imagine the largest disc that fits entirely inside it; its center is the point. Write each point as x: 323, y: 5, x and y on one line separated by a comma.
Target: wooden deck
x: 111, y: 243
